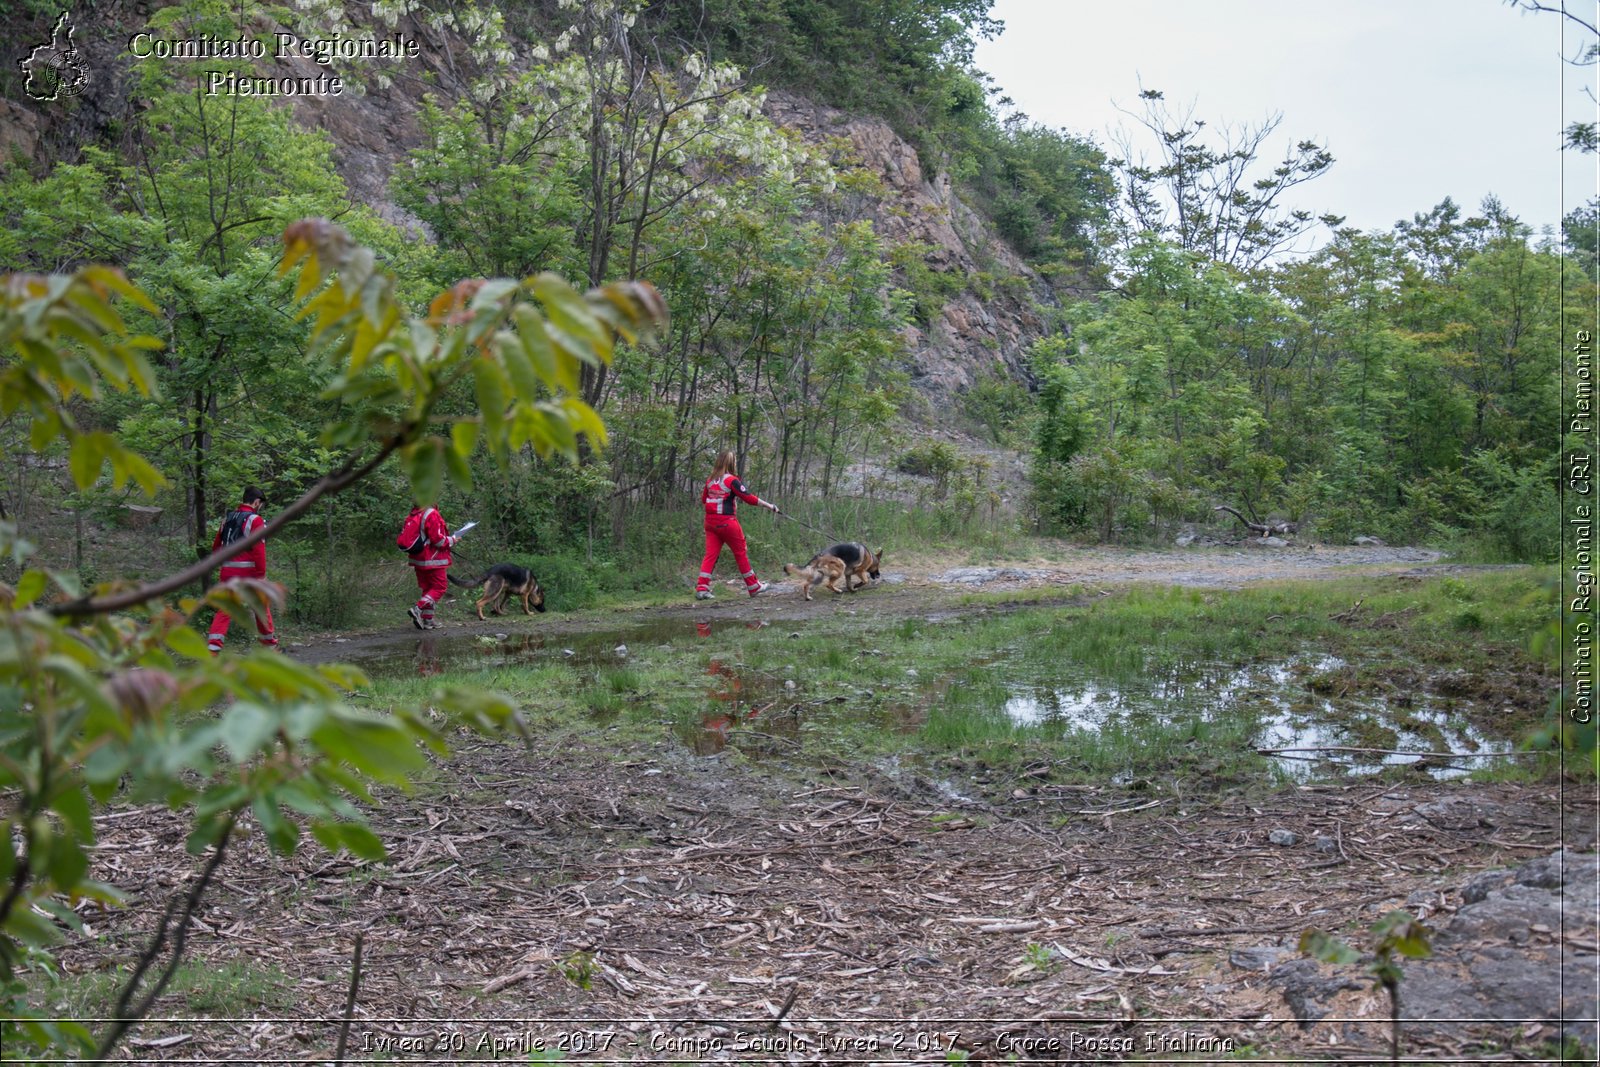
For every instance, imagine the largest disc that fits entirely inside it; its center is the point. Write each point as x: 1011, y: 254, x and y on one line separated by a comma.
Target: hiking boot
x: 416, y: 617
x: 759, y: 588
x: 703, y: 594
x: 430, y: 625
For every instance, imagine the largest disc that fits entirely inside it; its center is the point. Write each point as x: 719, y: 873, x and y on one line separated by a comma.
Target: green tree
x: 194, y: 210
x: 907, y: 60
x: 1580, y: 232
x: 1210, y: 198
x: 108, y: 693
x: 1050, y: 194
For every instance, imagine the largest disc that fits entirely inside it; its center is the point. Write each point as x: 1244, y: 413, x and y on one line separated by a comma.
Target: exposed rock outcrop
x: 973, y: 334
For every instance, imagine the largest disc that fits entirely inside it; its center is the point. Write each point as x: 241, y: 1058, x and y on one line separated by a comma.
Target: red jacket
x: 718, y: 495
x: 251, y: 563
x: 435, y: 551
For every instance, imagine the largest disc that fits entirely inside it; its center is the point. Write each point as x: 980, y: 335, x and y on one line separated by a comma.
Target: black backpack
x: 235, y: 525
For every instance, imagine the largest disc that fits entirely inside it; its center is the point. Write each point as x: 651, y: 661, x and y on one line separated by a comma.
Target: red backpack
x: 413, y: 534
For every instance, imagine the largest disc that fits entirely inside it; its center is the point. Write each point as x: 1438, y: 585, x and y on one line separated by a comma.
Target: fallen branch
x: 1265, y: 529
x: 1348, y: 614
x: 1118, y: 811
x: 788, y: 1002
x: 1094, y: 964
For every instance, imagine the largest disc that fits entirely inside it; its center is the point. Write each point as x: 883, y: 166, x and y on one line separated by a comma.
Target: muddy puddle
x: 736, y: 700
x: 1302, y: 709
x: 431, y: 653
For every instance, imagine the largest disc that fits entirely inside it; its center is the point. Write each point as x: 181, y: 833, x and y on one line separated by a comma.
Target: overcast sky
x: 1416, y: 99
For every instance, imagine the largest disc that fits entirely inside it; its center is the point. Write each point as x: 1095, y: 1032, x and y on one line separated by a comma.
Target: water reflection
x: 736, y: 701
x: 1289, y: 702
x: 428, y: 662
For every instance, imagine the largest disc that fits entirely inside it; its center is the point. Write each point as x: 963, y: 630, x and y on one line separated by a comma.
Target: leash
x: 808, y: 526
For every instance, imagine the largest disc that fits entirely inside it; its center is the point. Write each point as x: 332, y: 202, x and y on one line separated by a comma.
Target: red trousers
x: 434, y: 584
x: 220, y: 622
x: 725, y: 530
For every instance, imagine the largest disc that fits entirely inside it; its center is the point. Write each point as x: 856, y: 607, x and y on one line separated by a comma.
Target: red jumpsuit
x: 432, y: 562
x: 718, y: 497
x: 252, y: 563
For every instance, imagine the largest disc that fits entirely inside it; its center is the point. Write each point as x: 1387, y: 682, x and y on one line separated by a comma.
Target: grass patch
x: 231, y: 989
x: 1141, y: 684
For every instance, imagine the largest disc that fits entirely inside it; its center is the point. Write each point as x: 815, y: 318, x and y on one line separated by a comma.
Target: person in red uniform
x: 432, y: 563
x: 252, y: 563
x: 721, y: 493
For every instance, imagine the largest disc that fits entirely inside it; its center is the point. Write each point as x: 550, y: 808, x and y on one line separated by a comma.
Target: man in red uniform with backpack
x: 427, y: 541
x: 252, y: 563
x: 719, y: 496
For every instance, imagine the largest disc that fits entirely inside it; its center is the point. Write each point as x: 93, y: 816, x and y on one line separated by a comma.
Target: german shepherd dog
x: 855, y: 557
x: 500, y: 583
x: 859, y: 562
x: 822, y: 569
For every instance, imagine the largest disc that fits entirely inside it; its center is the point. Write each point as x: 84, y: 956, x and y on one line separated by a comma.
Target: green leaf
x: 378, y: 748
x: 490, y: 381
x: 456, y: 465
x: 206, y: 833
x: 524, y: 380
x: 85, y: 461
x: 464, y: 437
x: 113, y: 279
x: 555, y: 368
x: 29, y: 586
x: 1323, y: 946
x: 282, y: 834
x: 424, y: 463
x: 361, y: 841
x: 571, y: 313
x: 31, y: 928
x: 73, y: 807
x: 220, y: 798
x: 104, y: 770
x: 245, y: 729
x: 344, y: 676
x: 280, y: 674
x: 187, y: 642
x: 67, y: 861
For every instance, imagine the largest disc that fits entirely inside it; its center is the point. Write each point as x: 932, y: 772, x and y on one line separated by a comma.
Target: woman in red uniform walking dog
x: 721, y: 493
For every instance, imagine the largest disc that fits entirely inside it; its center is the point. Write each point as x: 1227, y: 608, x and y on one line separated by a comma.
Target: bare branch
x: 126, y: 1013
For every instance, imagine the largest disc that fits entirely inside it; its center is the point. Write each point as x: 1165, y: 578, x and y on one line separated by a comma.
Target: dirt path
x: 914, y: 585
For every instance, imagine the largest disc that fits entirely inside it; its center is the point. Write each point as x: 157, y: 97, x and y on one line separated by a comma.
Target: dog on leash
x: 859, y: 562
x: 822, y: 569
x: 502, y: 582
x: 854, y: 558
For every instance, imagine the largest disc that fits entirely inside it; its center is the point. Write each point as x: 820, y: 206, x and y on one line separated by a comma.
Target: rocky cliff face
x: 988, y: 324
x: 984, y: 328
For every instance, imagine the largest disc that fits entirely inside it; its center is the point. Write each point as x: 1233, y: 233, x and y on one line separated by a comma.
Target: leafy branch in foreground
x: 110, y: 694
